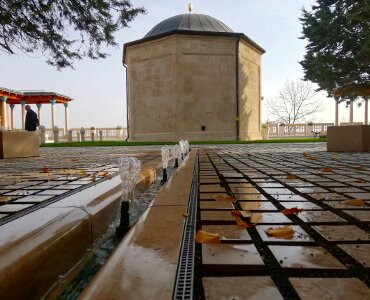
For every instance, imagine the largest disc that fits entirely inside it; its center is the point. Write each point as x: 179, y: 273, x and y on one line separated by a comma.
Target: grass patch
x: 123, y: 143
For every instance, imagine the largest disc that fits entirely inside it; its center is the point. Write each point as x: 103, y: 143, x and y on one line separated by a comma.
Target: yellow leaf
x: 255, y: 218
x: 319, y: 196
x: 355, y: 202
x: 291, y: 176
x: 5, y: 199
x: 284, y: 232
x: 242, y: 223
x: 305, y: 154
x: 223, y: 198
x: 104, y: 174
x: 204, y: 237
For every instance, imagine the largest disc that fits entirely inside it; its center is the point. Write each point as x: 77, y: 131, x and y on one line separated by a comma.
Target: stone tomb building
x: 191, y: 77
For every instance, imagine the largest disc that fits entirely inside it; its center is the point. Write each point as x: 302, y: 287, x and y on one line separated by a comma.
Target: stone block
x: 352, y: 138
x: 15, y: 144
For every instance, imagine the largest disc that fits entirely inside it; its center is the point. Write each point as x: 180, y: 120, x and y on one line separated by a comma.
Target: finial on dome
x: 190, y: 7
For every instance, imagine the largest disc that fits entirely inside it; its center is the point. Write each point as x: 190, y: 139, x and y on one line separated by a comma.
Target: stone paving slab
x: 26, y: 183
x: 330, y: 240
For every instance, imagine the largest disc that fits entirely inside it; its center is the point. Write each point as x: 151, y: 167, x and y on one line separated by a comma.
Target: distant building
x: 191, y: 77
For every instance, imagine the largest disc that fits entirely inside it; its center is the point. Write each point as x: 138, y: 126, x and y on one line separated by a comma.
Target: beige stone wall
x: 250, y: 92
x: 179, y: 83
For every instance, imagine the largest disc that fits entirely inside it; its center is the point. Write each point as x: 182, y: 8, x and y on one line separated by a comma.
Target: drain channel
x: 184, y: 284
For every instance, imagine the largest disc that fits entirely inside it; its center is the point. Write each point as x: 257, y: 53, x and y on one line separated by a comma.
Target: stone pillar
x: 351, y: 112
x: 42, y: 134
x: 11, y: 116
x: 39, y: 112
x: 70, y: 137
x: 336, y: 111
x: 366, y: 110
x: 23, y: 103
x: 52, y: 102
x: 56, y: 134
x: 3, y: 111
x: 65, y: 118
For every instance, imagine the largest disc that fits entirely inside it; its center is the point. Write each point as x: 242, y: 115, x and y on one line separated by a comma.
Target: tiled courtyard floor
x: 29, y: 183
x: 327, y: 256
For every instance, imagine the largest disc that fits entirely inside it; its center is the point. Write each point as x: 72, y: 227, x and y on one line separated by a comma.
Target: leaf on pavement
x: 291, y: 176
x: 204, y: 237
x: 223, y: 198
x: 327, y: 170
x: 291, y: 211
x: 284, y: 232
x: 355, y: 202
x: 242, y: 223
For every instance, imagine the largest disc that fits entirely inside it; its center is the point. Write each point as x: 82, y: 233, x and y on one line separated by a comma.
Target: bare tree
x: 295, y: 102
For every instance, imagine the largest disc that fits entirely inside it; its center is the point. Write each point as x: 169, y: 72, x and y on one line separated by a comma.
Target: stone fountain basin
x: 41, y: 251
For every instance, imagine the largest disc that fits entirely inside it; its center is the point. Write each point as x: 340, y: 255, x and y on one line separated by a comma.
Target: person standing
x: 31, y: 119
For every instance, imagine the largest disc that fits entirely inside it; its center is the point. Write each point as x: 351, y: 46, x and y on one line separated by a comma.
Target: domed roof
x: 189, y: 22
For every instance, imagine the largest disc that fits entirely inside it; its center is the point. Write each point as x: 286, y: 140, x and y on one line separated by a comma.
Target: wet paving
x: 322, y: 198
x: 27, y: 184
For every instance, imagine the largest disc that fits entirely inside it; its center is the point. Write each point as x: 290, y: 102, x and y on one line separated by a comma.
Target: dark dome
x: 189, y: 22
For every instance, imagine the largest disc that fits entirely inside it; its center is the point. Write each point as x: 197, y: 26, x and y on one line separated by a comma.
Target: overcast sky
x: 98, y: 87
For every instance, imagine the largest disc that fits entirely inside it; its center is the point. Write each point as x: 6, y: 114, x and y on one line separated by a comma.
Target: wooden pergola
x: 10, y: 98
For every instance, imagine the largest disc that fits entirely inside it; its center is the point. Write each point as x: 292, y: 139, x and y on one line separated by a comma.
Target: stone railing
x: 87, y: 134
x: 298, y: 130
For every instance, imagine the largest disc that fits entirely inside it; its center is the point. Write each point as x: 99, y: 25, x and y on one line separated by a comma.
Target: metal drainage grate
x: 184, y: 284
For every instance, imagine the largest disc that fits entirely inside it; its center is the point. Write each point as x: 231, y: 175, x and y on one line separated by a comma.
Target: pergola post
x: 23, y: 103
x: 11, y: 116
x: 366, y: 110
x: 52, y: 102
x: 65, y: 118
x: 3, y: 111
x: 39, y: 112
x: 336, y: 110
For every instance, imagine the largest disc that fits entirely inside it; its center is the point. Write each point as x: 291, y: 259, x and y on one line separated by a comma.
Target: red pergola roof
x: 32, y: 97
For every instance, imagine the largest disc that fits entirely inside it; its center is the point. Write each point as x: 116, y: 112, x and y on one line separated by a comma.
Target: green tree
x: 64, y: 30
x: 338, y: 50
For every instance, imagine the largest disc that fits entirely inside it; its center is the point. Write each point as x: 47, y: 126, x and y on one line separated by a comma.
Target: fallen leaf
x: 291, y: 211
x: 362, y: 168
x: 327, y: 170
x: 242, y: 223
x: 104, y: 174
x: 5, y: 199
x: 185, y: 215
x: 204, y: 237
x: 355, y: 202
x: 255, y: 218
x: 45, y: 170
x: 319, y: 196
x: 246, y: 213
x: 291, y: 176
x: 312, y: 158
x: 223, y: 198
x: 284, y: 232
x: 236, y: 213
x: 305, y: 154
